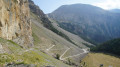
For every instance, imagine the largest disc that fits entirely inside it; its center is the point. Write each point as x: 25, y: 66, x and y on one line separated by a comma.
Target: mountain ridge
x: 115, y: 10
x: 88, y: 21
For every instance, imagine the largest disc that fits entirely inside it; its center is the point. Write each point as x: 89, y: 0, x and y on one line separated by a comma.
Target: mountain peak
x: 83, y: 19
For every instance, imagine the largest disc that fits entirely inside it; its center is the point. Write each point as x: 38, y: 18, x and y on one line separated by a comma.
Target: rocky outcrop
x: 37, y: 11
x: 15, y: 22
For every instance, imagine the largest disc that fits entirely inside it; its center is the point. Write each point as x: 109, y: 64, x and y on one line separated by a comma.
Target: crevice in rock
x: 0, y: 24
x: 17, y: 34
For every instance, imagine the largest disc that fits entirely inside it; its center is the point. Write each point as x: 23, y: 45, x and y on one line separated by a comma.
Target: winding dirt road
x: 84, y: 52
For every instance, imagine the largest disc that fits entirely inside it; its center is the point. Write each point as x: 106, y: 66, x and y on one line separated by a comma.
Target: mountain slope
x: 51, y: 25
x: 45, y: 21
x: 12, y: 55
x: 74, y: 38
x: 115, y: 10
x: 88, y: 21
x: 15, y: 25
x: 26, y: 27
x: 46, y: 39
x: 49, y: 39
x: 23, y: 54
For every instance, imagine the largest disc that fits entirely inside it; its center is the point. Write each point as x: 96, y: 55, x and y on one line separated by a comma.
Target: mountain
x: 51, y: 25
x: 78, y: 41
x: 87, y: 21
x: 28, y: 38
x: 19, y: 44
x: 58, y: 41
x: 115, y: 10
x: 112, y: 46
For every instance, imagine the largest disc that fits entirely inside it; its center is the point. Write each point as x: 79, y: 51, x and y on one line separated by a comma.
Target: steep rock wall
x: 15, y: 22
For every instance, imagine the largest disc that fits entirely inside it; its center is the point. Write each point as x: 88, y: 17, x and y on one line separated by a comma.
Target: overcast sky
x: 50, y: 5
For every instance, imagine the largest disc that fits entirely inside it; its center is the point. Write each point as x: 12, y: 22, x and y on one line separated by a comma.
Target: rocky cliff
x: 15, y: 22
x: 37, y: 11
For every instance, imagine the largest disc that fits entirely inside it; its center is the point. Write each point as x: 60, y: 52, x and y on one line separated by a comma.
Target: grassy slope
x: 43, y: 39
x: 76, y: 39
x: 14, y: 53
x: 95, y: 59
x: 48, y: 38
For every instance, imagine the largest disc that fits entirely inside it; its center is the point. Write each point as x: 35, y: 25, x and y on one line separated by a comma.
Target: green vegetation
x: 17, y: 55
x: 5, y: 58
x: 36, y: 39
x: 26, y: 58
x: 57, y: 56
x: 13, y: 43
x: 32, y: 57
x: 112, y: 46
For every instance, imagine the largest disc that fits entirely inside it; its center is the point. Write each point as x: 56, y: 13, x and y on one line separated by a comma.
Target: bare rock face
x: 15, y: 22
x: 36, y: 10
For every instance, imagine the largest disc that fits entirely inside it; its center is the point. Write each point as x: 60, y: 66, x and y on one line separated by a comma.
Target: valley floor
x: 95, y: 59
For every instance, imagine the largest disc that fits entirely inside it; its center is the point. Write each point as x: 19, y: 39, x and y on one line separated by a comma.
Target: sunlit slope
x: 50, y: 42
x: 95, y: 59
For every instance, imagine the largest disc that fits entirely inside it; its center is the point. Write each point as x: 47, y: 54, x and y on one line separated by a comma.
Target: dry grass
x: 95, y: 59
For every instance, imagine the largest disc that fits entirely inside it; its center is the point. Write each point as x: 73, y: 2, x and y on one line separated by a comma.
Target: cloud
x: 108, y: 4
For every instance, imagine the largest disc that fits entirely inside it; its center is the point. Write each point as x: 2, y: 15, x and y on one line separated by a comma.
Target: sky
x: 49, y: 6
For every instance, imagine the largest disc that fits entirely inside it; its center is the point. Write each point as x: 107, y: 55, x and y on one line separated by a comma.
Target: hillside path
x: 85, y: 51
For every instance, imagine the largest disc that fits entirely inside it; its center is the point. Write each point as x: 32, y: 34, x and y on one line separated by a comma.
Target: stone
x: 15, y: 22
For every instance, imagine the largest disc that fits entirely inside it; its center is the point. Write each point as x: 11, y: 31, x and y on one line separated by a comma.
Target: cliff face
x: 15, y: 22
